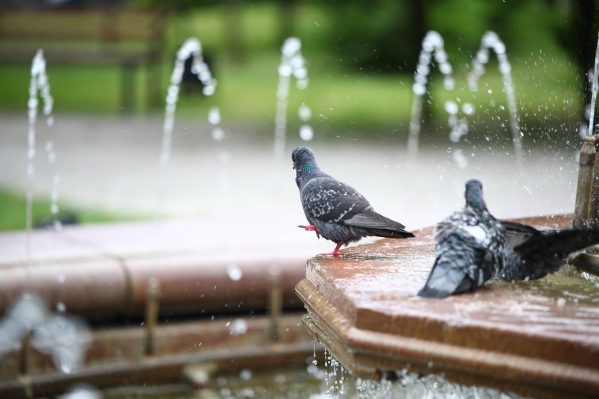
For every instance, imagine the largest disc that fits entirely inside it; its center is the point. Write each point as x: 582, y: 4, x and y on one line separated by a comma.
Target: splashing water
x: 191, y: 47
x: 491, y: 41
x: 54, y: 208
x: 234, y: 272
x: 38, y: 84
x: 431, y: 42
x: 292, y: 64
x: 396, y: 384
x: 65, y: 338
x: 593, y: 92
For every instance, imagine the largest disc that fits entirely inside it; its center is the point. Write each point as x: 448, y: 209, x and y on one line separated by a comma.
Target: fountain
x: 490, y: 40
x: 115, y: 272
x: 594, y: 89
x: 190, y: 48
x: 292, y: 64
x: 39, y: 84
x: 431, y: 42
x: 459, y: 126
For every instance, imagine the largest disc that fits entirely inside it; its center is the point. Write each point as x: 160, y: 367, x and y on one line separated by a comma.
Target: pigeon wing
x: 517, y: 233
x: 551, y: 244
x: 330, y: 201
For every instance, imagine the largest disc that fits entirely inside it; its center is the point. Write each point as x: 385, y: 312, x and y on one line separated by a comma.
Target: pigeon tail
x: 378, y: 225
x: 390, y: 233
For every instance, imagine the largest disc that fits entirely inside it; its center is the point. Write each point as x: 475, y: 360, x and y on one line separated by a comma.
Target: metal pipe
x: 275, y: 301
x: 190, y: 283
x: 24, y: 367
x: 585, y: 181
x: 152, y: 306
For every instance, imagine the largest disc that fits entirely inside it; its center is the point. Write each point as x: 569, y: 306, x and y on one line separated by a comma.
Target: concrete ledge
x: 536, y: 339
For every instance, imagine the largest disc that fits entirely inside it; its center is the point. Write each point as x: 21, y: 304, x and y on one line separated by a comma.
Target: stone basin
x: 537, y: 339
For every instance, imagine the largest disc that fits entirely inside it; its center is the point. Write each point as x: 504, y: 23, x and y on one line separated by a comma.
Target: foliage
x: 13, y: 208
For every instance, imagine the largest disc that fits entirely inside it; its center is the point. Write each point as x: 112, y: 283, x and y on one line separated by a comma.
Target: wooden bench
x: 129, y: 37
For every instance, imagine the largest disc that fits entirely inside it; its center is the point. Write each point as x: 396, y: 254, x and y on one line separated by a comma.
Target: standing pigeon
x: 532, y: 254
x: 335, y: 210
x: 470, y: 248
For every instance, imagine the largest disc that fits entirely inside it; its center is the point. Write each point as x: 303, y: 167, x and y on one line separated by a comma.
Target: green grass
x: 546, y: 84
x: 14, y: 208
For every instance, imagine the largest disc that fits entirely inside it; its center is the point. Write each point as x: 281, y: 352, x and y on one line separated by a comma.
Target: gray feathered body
x: 470, y: 250
x: 338, y: 211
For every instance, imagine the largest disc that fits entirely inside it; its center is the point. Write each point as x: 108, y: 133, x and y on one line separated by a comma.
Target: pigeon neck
x: 476, y: 202
x: 306, y: 170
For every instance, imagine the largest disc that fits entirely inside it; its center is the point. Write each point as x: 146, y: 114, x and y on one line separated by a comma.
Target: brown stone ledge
x: 537, y: 339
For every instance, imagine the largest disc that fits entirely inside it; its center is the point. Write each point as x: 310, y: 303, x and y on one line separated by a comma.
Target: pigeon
x: 473, y: 246
x: 470, y: 248
x: 336, y: 211
x: 532, y: 253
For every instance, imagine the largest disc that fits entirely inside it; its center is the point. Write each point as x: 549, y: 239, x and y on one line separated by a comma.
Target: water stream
x: 292, y: 64
x: 39, y: 84
x: 190, y: 48
x: 594, y: 85
x: 432, y: 42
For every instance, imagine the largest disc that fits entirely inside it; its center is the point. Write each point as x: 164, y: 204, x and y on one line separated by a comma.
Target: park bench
x: 129, y: 37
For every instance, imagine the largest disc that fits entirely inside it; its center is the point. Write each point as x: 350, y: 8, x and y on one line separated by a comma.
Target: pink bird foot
x: 310, y: 228
x: 335, y: 252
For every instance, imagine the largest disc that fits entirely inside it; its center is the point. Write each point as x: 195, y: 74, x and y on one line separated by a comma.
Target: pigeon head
x: 474, y: 195
x: 304, y: 164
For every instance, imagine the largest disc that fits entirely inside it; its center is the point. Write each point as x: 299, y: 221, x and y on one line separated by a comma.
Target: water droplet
x: 468, y: 109
x: 561, y: 302
x: 304, y: 113
x: 301, y: 84
x: 451, y: 107
x: 214, y: 116
x: 285, y: 70
x: 239, y: 327
x: 306, y: 132
x: 246, y: 374
x: 449, y: 83
x: 209, y: 89
x: 460, y: 159
x: 234, y: 272
x: 291, y: 46
x: 61, y: 307
x: 418, y: 89
x: 300, y: 73
x: 505, y: 68
x: 445, y: 68
x: 61, y: 278
x: 218, y: 134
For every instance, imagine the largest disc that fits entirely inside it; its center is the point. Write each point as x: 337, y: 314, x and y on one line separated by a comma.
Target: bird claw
x: 310, y: 228
x: 333, y: 254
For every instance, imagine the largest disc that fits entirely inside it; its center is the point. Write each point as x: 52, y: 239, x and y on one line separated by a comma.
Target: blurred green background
x: 362, y: 56
x: 361, y: 62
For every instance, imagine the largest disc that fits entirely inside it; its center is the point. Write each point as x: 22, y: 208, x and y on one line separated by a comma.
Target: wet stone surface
x: 365, y: 303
